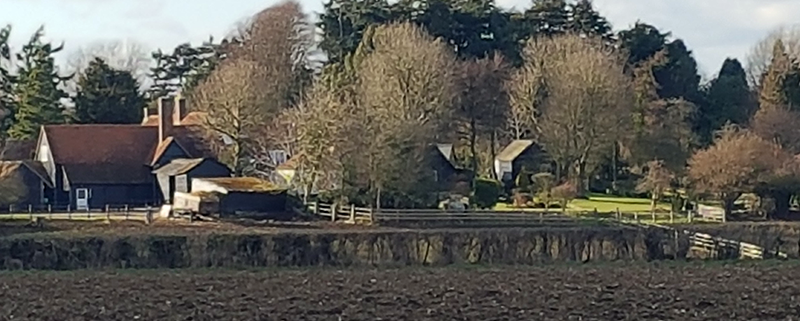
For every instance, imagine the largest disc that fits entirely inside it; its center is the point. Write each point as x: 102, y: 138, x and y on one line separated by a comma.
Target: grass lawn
x: 610, y: 203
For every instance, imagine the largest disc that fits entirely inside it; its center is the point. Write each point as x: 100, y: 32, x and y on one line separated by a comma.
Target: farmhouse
x: 90, y: 166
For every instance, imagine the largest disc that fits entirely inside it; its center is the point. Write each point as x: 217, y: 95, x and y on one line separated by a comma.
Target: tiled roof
x: 103, y: 154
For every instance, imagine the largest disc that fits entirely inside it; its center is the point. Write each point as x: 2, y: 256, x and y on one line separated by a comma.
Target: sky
x: 712, y: 29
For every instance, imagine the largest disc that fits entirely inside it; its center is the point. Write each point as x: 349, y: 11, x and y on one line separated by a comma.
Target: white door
x: 82, y: 198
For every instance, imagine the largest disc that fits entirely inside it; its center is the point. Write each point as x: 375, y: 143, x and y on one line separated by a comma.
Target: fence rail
x: 109, y: 212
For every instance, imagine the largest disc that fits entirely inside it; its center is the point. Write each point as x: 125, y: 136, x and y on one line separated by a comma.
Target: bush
x: 486, y: 193
x: 564, y: 193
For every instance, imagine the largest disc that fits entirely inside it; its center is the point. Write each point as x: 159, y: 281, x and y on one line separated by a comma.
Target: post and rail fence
x: 67, y: 212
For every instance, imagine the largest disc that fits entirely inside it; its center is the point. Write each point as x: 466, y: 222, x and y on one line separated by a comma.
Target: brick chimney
x: 165, y: 111
x: 180, y: 110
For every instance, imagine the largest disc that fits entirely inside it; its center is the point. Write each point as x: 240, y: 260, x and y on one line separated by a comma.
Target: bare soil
x: 743, y: 291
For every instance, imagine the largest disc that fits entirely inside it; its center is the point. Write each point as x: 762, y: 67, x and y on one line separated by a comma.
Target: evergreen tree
x: 37, y: 93
x: 728, y: 99
x: 642, y: 42
x: 107, y: 96
x: 780, y: 86
x: 678, y: 78
x: 184, y: 68
x: 6, y: 86
x: 343, y: 23
x: 585, y: 20
x: 548, y: 17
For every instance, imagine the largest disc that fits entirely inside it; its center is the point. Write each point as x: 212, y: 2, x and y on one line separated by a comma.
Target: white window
x: 278, y: 156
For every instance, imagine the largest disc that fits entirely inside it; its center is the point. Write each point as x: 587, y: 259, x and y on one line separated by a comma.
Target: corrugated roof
x: 243, y: 184
x: 513, y: 150
x: 179, y: 166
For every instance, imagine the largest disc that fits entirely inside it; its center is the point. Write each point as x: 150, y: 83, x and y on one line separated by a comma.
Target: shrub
x: 564, y: 193
x: 486, y: 193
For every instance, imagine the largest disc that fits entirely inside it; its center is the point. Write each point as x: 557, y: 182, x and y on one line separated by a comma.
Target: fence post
x: 316, y: 207
x: 30, y: 211
x: 333, y: 212
x: 108, y: 213
x: 636, y: 216
x: 671, y: 216
x: 11, y: 211
x: 371, y: 215
x: 126, y: 209
x: 595, y: 214
x: 619, y: 215
x: 690, y: 215
x: 50, y: 210
x: 352, y: 214
x: 88, y: 212
x: 69, y: 211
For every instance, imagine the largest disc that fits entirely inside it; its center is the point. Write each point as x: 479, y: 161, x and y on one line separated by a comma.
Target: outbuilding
x: 245, y: 196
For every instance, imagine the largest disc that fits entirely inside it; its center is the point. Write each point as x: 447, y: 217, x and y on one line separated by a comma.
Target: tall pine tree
x: 107, y: 96
x: 37, y: 92
x: 780, y: 86
x: 585, y: 20
x: 548, y: 17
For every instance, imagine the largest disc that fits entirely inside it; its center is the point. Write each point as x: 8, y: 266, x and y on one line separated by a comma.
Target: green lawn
x: 610, y: 203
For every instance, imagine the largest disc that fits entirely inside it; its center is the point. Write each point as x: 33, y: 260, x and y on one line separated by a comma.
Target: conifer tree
x: 107, y: 96
x: 37, y: 93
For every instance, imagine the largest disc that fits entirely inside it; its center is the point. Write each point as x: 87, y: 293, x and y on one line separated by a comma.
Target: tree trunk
x: 494, y: 154
x: 473, y: 137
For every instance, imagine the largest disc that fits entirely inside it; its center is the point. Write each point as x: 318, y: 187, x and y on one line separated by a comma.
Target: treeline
x: 624, y: 112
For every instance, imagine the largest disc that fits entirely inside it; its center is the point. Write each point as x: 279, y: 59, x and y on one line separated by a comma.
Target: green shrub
x: 486, y: 193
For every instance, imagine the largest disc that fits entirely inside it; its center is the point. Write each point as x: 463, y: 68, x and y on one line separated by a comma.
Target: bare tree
x: 406, y: 88
x: 778, y: 125
x: 256, y: 82
x: 575, y: 98
x: 233, y: 96
x: 761, y: 54
x: 737, y: 163
x: 657, y: 181
x: 483, y: 106
x: 127, y: 55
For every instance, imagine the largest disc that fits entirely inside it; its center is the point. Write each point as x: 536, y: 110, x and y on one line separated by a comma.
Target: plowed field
x: 766, y: 291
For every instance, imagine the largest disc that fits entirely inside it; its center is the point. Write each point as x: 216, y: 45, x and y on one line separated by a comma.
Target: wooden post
x: 619, y: 215
x: 69, y: 208
x: 88, y: 211
x: 595, y: 214
x: 636, y: 216
x: 69, y: 212
x: 316, y: 207
x: 11, y: 209
x: 352, y: 214
x: 30, y: 211
x: 126, y: 209
x: 371, y: 215
x: 108, y: 213
x: 333, y: 212
x: 50, y: 210
x: 671, y: 216
x: 690, y: 215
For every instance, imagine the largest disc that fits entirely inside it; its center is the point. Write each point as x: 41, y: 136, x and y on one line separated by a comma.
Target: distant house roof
x: 15, y: 150
x: 446, y: 150
x: 241, y: 184
x: 513, y: 150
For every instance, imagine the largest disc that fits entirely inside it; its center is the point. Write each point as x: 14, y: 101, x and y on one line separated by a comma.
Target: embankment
x: 378, y: 248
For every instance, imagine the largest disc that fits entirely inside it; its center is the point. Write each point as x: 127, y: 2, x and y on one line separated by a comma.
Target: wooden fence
x: 352, y: 214
x: 49, y: 212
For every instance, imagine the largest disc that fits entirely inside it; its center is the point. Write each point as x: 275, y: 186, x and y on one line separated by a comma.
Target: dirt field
x: 767, y: 291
